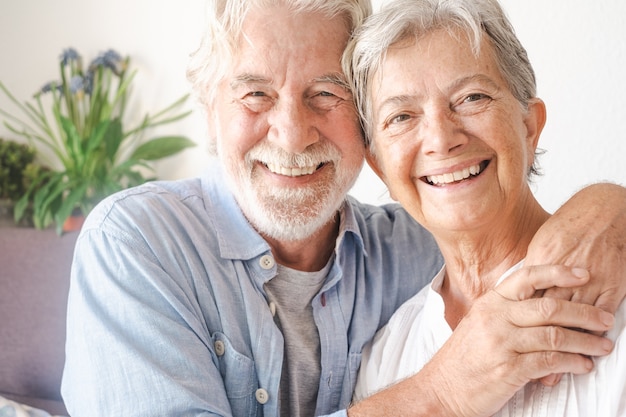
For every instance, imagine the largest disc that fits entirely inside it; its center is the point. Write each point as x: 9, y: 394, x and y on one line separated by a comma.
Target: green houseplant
x: 80, y: 120
x: 17, y: 171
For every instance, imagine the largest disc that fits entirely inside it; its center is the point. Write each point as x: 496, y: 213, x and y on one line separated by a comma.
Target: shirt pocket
x: 239, y: 376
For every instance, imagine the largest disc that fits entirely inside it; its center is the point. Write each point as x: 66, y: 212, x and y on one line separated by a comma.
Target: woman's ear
x: 534, y: 120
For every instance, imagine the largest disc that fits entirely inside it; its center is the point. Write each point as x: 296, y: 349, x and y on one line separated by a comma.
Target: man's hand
x: 589, y: 232
x: 506, y: 340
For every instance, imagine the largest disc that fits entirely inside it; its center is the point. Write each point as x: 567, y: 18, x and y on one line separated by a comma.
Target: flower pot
x: 73, y: 223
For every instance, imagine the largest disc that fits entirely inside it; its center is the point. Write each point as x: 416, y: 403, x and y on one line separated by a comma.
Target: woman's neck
x: 475, y: 260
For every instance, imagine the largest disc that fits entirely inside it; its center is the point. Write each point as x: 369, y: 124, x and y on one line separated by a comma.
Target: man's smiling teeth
x: 451, y: 177
x: 291, y: 171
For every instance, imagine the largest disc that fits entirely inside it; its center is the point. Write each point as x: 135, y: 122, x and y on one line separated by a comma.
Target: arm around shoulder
x: 588, y: 231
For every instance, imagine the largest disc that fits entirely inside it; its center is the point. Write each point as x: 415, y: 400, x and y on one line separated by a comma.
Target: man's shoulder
x: 389, y: 212
x: 147, y: 202
x: 385, y: 219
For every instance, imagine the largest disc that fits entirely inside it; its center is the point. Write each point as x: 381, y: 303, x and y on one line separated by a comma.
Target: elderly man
x: 252, y: 290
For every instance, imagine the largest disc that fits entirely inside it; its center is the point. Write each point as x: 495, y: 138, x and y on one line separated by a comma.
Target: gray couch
x: 34, y: 281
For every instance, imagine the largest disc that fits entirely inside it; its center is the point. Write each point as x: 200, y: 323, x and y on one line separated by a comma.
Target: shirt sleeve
x: 340, y: 413
x: 136, y: 344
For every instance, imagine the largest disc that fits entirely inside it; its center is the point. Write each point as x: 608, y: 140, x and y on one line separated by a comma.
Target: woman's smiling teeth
x: 292, y: 171
x: 451, y: 177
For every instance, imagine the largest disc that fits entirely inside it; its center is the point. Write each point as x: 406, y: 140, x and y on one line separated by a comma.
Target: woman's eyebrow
x: 395, y: 101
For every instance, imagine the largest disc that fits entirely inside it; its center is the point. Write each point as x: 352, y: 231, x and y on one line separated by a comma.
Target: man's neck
x: 310, y: 254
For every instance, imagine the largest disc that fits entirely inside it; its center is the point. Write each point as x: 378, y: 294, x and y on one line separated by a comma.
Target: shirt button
x: 219, y: 348
x: 266, y: 262
x: 273, y: 308
x: 261, y: 396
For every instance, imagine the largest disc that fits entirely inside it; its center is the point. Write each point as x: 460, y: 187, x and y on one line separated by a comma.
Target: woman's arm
x: 588, y: 231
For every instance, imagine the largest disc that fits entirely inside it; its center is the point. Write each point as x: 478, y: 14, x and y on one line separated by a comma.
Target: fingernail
x: 580, y: 273
x: 607, y: 345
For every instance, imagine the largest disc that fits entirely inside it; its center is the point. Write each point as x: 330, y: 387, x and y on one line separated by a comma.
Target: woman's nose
x: 441, y: 133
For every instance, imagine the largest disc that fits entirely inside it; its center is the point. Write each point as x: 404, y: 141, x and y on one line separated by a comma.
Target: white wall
x: 578, y: 49
x: 157, y: 35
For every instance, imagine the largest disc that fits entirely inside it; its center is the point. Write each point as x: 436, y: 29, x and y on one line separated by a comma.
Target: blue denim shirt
x: 167, y: 314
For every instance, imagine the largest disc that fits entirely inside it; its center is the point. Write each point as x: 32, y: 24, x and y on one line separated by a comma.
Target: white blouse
x: 418, y: 329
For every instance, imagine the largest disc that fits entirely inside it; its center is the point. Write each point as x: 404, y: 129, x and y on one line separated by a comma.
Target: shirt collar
x: 236, y: 237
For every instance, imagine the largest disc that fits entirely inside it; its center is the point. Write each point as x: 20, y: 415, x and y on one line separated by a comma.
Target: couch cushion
x: 34, y: 282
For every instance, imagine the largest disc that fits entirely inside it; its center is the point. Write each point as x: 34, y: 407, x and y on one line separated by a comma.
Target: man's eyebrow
x: 333, y: 78
x: 248, y: 79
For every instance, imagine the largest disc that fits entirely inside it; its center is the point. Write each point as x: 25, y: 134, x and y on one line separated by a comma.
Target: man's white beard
x: 292, y: 214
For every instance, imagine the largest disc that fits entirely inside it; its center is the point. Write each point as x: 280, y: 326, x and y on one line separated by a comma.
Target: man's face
x: 285, y: 124
x: 452, y: 142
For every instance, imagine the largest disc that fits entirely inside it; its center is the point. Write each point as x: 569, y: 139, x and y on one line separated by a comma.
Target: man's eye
x: 325, y: 101
x: 257, y: 101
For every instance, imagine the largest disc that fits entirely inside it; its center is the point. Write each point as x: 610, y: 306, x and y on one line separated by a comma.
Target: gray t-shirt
x: 290, y: 294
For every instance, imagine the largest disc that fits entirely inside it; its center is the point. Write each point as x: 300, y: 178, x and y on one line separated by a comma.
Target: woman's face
x: 450, y: 141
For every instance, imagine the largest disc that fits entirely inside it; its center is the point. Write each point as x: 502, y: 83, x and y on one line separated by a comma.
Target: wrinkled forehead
x: 413, y: 44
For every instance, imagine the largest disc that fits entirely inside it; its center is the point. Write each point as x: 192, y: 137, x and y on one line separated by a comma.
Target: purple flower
x: 77, y: 84
x: 68, y: 55
x: 48, y: 87
x: 109, y: 59
x: 112, y: 57
x: 88, y: 82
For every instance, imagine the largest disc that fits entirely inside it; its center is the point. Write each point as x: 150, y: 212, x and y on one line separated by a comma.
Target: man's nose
x: 292, y: 126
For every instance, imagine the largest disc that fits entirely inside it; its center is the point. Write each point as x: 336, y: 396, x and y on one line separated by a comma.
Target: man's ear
x: 212, y: 129
x: 534, y: 120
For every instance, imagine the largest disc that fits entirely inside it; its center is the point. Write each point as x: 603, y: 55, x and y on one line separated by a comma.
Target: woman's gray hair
x: 403, y: 20
x: 213, y: 59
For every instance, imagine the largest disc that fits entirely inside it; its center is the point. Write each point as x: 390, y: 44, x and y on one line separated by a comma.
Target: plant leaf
x: 68, y: 205
x: 97, y: 135
x: 161, y: 147
x: 113, y: 138
x: 74, y: 147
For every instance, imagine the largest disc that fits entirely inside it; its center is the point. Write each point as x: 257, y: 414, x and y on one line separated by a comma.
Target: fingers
x: 554, y: 312
x: 536, y: 364
x: 608, y: 301
x: 557, y: 339
x: 551, y: 380
x: 525, y: 282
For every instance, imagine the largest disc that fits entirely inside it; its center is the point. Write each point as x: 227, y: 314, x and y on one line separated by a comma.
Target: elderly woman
x: 454, y: 121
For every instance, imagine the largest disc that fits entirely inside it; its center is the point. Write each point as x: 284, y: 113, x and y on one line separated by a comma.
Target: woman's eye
x: 399, y: 118
x: 475, y: 97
